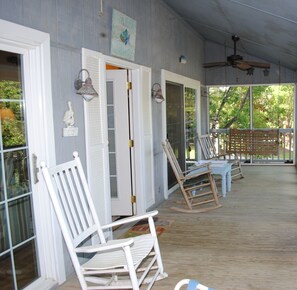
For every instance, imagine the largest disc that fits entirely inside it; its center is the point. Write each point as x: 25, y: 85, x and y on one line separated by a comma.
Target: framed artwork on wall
x: 123, y: 35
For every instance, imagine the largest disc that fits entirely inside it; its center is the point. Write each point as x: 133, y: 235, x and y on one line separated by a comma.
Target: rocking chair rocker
x: 197, y: 185
x: 112, y: 264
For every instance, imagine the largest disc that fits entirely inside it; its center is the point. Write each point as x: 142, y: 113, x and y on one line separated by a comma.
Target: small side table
x: 223, y: 168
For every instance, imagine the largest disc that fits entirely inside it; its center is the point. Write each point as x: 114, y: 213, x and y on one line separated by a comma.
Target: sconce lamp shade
x: 157, y: 93
x: 85, y: 88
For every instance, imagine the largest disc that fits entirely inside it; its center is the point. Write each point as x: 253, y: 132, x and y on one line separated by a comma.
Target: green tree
x: 11, y: 113
x: 229, y: 107
x: 272, y: 106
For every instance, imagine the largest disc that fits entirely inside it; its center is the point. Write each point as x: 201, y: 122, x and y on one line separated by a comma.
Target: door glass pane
x: 4, y: 245
x: 190, y: 124
x: 17, y: 241
x: 6, y: 281
x: 1, y: 182
x: 16, y: 173
x: 25, y: 264
x: 111, y: 141
x: 175, y: 125
x: 21, y: 224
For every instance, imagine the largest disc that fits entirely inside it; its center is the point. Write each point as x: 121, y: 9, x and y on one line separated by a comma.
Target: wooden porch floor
x: 248, y: 244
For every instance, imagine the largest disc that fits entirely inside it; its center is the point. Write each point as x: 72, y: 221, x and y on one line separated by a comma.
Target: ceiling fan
x: 236, y: 61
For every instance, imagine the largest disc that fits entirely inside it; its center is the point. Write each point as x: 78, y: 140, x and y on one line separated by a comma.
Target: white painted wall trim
x: 186, y: 82
x: 144, y: 167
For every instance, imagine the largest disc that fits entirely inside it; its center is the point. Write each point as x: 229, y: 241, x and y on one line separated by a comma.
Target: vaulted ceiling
x: 267, y: 28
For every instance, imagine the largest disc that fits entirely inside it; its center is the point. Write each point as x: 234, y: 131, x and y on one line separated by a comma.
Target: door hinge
x: 129, y: 85
x: 131, y: 143
x: 133, y: 199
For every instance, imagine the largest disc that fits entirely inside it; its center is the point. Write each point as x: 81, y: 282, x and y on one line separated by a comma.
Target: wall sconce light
x: 182, y: 59
x: 266, y: 72
x: 85, y: 88
x: 157, y: 93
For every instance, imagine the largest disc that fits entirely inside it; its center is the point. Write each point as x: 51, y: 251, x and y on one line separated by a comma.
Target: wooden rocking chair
x: 197, y: 185
x: 111, y: 264
x: 209, y: 151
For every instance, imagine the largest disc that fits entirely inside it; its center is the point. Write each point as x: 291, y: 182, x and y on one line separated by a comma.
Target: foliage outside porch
x: 254, y: 108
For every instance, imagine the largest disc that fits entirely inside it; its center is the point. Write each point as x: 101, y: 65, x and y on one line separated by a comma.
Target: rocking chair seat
x: 111, y: 258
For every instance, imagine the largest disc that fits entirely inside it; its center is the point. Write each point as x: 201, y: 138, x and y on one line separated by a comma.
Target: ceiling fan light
x: 250, y: 71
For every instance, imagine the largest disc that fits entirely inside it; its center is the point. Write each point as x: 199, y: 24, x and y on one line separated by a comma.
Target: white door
x: 26, y: 258
x: 119, y: 136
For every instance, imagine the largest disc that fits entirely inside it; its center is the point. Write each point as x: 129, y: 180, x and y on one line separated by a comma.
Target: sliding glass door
x: 175, y: 125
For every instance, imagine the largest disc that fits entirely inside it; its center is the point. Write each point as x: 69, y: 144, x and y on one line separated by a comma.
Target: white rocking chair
x: 112, y: 264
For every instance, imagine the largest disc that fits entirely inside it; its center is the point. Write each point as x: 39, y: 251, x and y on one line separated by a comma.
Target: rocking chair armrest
x: 130, y: 219
x: 191, y: 176
x: 191, y: 173
x: 110, y: 245
x: 202, y: 165
x: 222, y: 155
x: 197, y: 166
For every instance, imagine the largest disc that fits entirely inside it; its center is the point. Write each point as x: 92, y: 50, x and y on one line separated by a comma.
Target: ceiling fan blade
x: 235, y: 60
x: 215, y: 64
x: 243, y: 65
x: 258, y: 64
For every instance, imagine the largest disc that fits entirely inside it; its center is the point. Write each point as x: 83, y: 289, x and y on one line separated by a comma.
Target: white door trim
x: 35, y: 46
x: 143, y: 152
x: 186, y: 82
